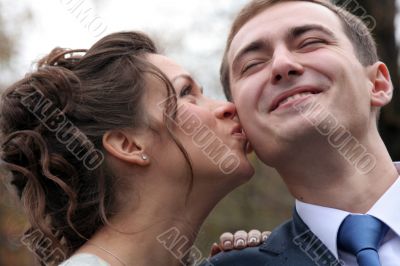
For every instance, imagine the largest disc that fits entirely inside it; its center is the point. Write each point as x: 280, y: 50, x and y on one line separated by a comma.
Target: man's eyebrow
x: 254, y: 46
x: 293, y: 33
x: 300, y: 30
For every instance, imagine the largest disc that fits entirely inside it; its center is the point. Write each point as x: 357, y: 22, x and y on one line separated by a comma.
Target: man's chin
x: 293, y: 128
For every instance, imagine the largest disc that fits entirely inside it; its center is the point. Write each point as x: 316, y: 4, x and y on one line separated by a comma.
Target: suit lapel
x: 293, y: 243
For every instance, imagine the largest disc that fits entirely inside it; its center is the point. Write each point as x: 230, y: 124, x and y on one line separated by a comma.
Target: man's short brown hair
x: 355, y: 29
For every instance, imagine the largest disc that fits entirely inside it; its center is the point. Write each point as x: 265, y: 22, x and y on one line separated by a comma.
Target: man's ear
x: 124, y: 146
x: 382, y: 87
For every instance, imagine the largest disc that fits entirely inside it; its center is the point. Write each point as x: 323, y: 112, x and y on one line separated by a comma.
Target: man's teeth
x: 294, y: 97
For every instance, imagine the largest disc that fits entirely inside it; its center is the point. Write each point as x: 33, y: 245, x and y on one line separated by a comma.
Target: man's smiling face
x: 289, y: 55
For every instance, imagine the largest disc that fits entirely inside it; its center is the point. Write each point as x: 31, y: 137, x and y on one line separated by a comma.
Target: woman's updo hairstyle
x: 51, y: 128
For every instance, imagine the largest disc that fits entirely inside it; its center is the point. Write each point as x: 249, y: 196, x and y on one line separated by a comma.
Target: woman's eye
x: 186, y: 90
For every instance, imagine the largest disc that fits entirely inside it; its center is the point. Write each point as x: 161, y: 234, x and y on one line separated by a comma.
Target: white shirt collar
x: 387, y: 208
x: 324, y: 222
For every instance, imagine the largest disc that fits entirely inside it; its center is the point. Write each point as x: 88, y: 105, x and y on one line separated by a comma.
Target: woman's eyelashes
x: 190, y: 90
x: 186, y: 90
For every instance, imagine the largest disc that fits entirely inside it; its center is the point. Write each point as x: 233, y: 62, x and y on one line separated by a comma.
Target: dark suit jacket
x: 292, y: 243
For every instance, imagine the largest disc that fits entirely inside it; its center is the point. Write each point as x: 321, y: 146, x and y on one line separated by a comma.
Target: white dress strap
x: 84, y: 259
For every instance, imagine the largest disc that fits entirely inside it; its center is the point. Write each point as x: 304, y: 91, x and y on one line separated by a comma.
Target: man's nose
x: 284, y: 66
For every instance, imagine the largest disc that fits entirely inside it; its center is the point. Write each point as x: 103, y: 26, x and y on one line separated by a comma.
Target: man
x: 308, y: 86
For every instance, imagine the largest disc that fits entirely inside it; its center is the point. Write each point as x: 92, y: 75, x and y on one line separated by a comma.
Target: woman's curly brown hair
x: 51, y: 127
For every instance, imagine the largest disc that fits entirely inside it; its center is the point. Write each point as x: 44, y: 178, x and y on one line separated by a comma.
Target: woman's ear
x: 125, y: 147
x: 382, y: 87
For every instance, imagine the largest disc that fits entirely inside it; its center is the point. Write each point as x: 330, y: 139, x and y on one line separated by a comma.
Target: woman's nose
x: 225, y: 110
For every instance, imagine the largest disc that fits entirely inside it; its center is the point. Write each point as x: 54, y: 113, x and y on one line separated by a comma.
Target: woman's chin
x: 243, y: 173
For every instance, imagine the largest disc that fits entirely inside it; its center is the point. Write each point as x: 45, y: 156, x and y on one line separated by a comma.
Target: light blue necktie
x: 361, y: 236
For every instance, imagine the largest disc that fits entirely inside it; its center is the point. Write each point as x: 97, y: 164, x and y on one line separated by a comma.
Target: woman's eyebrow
x: 184, y: 76
x: 188, y: 77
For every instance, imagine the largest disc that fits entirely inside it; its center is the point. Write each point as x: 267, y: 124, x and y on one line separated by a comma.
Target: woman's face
x: 209, y: 130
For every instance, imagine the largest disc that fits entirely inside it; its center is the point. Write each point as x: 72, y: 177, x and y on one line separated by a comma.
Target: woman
x: 117, y: 156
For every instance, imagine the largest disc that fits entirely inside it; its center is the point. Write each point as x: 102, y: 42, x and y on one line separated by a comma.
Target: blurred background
x: 193, y: 33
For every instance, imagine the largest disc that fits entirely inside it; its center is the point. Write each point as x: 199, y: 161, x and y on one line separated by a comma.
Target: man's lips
x: 283, y: 97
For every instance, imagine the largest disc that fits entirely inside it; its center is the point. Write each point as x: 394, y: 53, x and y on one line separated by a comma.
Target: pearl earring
x: 144, y: 157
